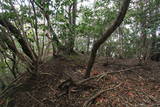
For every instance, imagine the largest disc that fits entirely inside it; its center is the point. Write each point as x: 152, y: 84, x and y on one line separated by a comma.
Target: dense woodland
x: 79, y: 53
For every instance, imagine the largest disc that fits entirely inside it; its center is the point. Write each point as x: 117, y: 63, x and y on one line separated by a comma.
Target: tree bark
x: 9, y: 44
x: 106, y: 35
x: 72, y: 21
x: 47, y: 16
x: 88, y: 43
x: 25, y: 46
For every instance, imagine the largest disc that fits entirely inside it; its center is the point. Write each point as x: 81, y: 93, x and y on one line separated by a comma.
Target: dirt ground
x: 117, y: 83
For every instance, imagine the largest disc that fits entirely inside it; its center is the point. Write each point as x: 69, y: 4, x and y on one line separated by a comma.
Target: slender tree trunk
x: 106, y: 35
x: 121, y: 42
x: 36, y: 28
x: 153, y: 43
x: 144, y: 47
x: 47, y: 16
x: 88, y: 43
x: 14, y: 65
x: 72, y: 20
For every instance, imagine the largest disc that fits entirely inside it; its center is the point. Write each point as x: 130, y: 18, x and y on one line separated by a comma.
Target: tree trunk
x: 153, y: 45
x: 52, y: 33
x: 106, y: 35
x: 9, y: 44
x: 72, y: 21
x: 88, y: 43
x: 25, y: 46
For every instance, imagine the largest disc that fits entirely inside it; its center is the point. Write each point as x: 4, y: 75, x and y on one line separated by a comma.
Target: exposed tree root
x: 69, y: 83
x: 89, y: 101
x: 105, y: 74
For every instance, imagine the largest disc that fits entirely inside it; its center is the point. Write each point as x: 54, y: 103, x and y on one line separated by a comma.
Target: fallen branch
x: 88, y: 79
x: 123, y: 70
x: 104, y: 74
x: 88, y: 102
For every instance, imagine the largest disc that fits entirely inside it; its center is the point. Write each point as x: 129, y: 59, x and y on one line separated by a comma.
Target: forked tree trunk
x: 106, y: 35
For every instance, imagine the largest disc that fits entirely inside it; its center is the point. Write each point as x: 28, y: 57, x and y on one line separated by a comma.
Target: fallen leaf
x: 95, y: 73
x: 101, y: 100
x: 131, y: 94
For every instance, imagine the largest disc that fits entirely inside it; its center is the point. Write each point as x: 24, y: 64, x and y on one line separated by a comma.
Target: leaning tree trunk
x: 106, y: 35
x: 17, y: 34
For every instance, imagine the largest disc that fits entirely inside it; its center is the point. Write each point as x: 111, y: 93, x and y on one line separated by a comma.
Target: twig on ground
x: 149, y: 96
x: 34, y: 98
x: 88, y: 79
x: 103, y: 75
x: 88, y: 102
x: 49, y: 74
x: 156, y: 104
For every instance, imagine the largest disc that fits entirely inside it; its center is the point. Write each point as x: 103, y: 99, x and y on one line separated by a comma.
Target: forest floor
x: 116, y: 83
